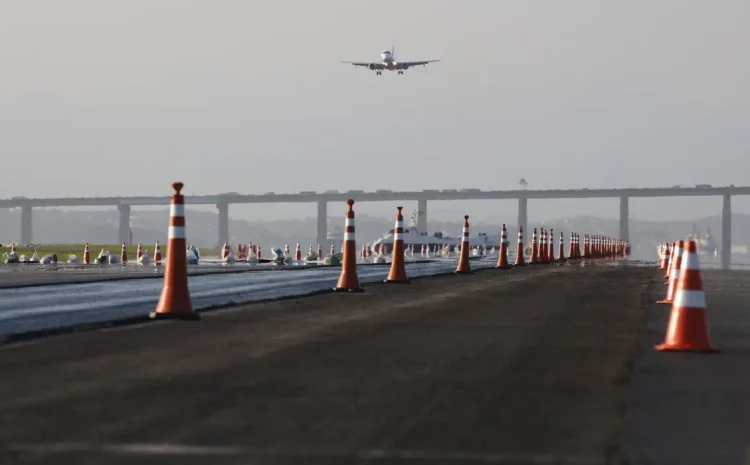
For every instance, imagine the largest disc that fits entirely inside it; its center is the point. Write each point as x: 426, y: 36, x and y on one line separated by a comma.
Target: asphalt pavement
x: 529, y: 365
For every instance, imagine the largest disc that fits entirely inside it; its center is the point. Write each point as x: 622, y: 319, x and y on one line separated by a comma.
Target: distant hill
x: 60, y: 226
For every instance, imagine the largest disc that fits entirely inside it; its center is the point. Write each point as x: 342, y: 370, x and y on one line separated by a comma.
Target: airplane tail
x: 393, y: 51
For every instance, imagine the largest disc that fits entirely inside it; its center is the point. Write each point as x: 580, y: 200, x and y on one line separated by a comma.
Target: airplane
x: 389, y: 62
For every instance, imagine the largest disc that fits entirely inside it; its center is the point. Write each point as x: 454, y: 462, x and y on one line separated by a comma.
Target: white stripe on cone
x: 177, y: 209
x: 689, y: 299
x: 176, y: 232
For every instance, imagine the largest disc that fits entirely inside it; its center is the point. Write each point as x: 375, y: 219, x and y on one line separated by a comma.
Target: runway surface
x: 28, y: 309
x: 694, y: 408
x: 32, y: 275
x: 523, y: 366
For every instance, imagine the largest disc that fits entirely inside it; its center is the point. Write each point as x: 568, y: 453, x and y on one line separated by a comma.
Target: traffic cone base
x: 690, y: 336
x: 347, y: 289
x: 189, y: 315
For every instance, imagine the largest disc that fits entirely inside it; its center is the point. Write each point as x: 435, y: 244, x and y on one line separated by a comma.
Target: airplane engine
x: 404, y: 66
x: 372, y: 66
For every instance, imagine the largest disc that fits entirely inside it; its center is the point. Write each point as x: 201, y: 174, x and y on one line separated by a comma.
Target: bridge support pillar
x: 523, y: 216
x: 422, y: 215
x: 726, y: 232
x: 123, y: 233
x: 322, y: 226
x: 624, y: 219
x: 223, y: 207
x: 26, y: 224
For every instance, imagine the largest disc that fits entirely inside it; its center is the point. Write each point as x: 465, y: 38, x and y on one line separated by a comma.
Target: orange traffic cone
x: 320, y: 252
x: 348, y: 280
x: 586, y: 251
x: 592, y: 246
x: 561, y: 249
x: 687, y: 330
x: 174, y: 302
x: 668, y: 273
x: 664, y: 257
x: 157, y: 254
x: 123, y: 254
x: 534, y: 249
x: 502, y: 260
x: 398, y: 266
x: 463, y: 260
x: 551, y: 246
x: 86, y: 254
x: 298, y: 253
x: 519, y: 249
x: 542, y: 254
x: 675, y: 273
x: 139, y: 252
x: 571, y: 244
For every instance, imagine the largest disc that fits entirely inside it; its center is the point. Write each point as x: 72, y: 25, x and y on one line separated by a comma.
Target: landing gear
x: 378, y: 73
x: 400, y: 72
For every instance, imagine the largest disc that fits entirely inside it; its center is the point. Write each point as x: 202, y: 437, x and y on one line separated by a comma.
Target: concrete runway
x: 25, y: 310
x: 33, y: 275
x: 695, y: 408
x: 16, y: 276
x: 524, y: 366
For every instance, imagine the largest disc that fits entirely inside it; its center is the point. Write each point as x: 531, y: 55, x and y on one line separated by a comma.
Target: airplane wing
x: 416, y: 63
x: 366, y: 65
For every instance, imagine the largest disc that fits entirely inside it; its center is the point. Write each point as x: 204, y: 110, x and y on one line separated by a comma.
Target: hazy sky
x: 120, y: 98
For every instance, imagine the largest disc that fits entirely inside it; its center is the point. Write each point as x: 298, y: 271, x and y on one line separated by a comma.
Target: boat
x: 413, y: 236
x: 335, y: 234
x: 707, y: 246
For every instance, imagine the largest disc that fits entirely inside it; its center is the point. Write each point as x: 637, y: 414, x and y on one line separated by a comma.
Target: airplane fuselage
x: 389, y: 62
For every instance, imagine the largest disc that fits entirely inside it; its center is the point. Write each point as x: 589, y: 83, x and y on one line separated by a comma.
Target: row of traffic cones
x: 86, y: 259
x: 687, y: 330
x: 175, y: 298
x: 243, y: 251
x: 542, y: 252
